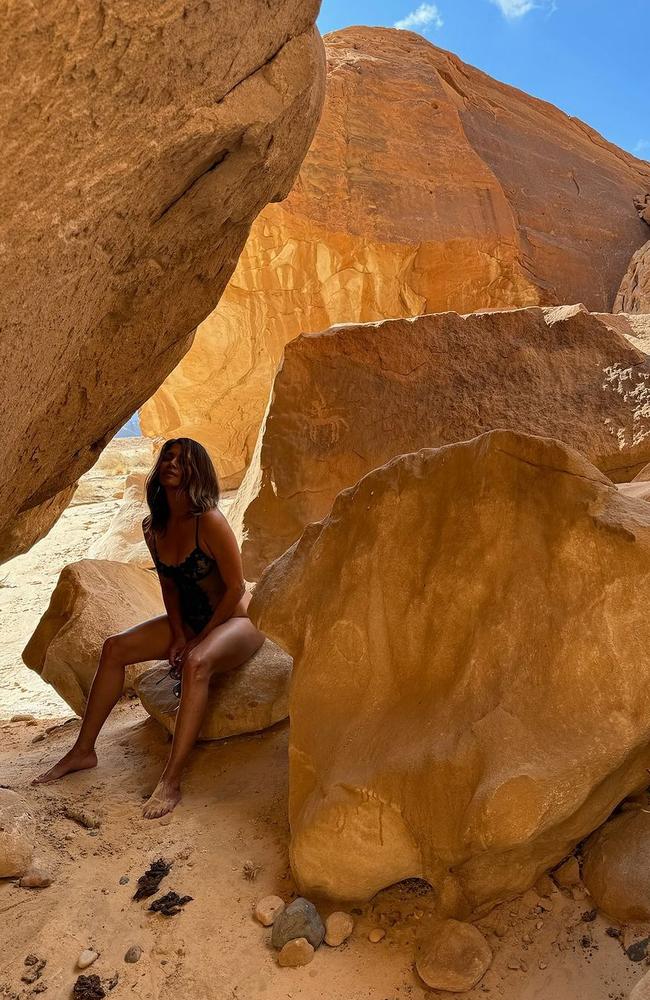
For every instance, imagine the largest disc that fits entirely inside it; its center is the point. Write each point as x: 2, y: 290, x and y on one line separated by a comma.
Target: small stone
x: 514, y: 966
x: 87, y: 958
x: 299, y: 919
x: 22, y: 717
x: 267, y: 909
x: 296, y: 952
x: 545, y: 886
x: 539, y: 925
x: 35, y: 878
x: 613, y: 932
x: 527, y: 939
x: 589, y: 916
x: 523, y: 966
x: 638, y: 951
x: 338, y: 927
x: 454, y: 957
x: 543, y: 965
x: 69, y: 835
x: 568, y: 873
x: 376, y: 935
x: 134, y: 954
x: 124, y: 880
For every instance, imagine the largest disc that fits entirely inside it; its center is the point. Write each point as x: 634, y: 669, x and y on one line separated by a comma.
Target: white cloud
x: 423, y: 16
x: 513, y: 9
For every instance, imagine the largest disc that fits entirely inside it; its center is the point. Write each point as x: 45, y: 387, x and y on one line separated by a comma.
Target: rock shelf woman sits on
x: 206, y: 629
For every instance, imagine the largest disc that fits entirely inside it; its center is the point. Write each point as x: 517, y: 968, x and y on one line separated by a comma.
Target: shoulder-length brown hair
x: 199, y: 481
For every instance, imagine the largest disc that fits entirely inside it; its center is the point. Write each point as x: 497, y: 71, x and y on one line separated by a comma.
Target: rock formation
x: 634, y: 293
x: 616, y: 868
x: 445, y: 619
x: 92, y: 600
x: 370, y: 392
x: 17, y: 834
x: 429, y: 187
x: 139, y: 141
x: 249, y: 699
x: 124, y: 541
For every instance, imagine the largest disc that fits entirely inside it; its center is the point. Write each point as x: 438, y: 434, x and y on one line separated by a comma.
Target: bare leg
x: 226, y: 647
x: 148, y: 641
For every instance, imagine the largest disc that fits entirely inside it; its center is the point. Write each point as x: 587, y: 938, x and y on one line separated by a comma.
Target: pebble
x: 87, y: 958
x: 539, y: 925
x: 124, y: 880
x: 134, y: 954
x: 338, y: 927
x: 543, y: 965
x: 376, y: 935
x: 267, y: 909
x: 22, y: 717
x: 299, y: 919
x: 296, y: 952
x: 35, y: 878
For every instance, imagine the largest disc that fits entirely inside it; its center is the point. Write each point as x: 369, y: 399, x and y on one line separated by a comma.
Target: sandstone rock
x: 36, y: 878
x: 370, y: 392
x: 245, y: 700
x: 634, y: 294
x: 453, y: 957
x: 428, y: 187
x: 568, y: 873
x: 267, y: 909
x: 133, y: 955
x: 92, y: 600
x: 30, y: 525
x: 376, y: 935
x: 300, y: 919
x: 296, y: 952
x: 472, y: 595
x: 641, y: 990
x: 338, y: 927
x: 17, y: 832
x: 148, y: 139
x: 123, y: 541
x: 616, y: 868
x: 121, y: 458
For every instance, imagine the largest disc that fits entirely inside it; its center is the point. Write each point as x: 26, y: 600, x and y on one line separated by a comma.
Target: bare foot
x: 74, y: 760
x: 164, y: 798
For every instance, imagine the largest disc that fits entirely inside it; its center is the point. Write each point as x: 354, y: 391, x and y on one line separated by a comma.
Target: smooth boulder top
x: 17, y: 834
x: 472, y: 594
x: 616, y: 868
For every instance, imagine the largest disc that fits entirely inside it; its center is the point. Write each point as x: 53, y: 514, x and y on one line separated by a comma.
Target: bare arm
x: 219, y: 540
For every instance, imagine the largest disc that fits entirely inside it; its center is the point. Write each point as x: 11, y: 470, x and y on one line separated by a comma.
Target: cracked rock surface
x: 370, y: 392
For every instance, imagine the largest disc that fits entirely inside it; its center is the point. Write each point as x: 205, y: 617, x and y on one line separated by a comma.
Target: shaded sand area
x: 228, y: 846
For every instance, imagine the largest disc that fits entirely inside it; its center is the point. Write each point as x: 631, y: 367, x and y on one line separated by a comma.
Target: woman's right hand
x: 176, y: 647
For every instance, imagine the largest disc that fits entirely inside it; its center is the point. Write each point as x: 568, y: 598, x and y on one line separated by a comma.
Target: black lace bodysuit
x: 198, y: 581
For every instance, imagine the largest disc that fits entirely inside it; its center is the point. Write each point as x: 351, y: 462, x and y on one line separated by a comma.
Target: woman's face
x: 169, y: 470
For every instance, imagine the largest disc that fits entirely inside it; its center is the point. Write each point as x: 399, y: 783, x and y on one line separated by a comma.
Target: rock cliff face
x: 368, y: 393
x: 140, y: 141
x: 445, y: 619
x: 429, y: 187
x: 634, y: 293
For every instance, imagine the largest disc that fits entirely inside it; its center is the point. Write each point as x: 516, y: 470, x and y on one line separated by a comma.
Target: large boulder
x: 471, y: 623
x: 17, y: 834
x: 616, y: 867
x: 139, y: 140
x: 367, y: 393
x: 92, y: 600
x: 634, y: 293
x: 245, y: 700
x: 428, y: 187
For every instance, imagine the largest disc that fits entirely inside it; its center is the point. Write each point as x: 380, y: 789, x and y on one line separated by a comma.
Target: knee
x: 195, y: 668
x: 113, y: 650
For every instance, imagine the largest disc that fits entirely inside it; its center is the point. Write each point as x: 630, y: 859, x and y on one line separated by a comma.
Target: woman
x: 206, y: 629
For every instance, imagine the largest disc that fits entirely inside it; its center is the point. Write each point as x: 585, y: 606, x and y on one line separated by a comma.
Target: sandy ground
x: 231, y: 825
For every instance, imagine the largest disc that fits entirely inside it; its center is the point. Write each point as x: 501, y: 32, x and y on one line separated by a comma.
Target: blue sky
x: 589, y: 57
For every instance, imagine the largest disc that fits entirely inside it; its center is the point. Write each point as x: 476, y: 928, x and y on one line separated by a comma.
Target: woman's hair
x: 199, y: 481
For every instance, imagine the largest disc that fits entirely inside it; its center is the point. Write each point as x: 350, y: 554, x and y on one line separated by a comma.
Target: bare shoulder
x: 214, y: 522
